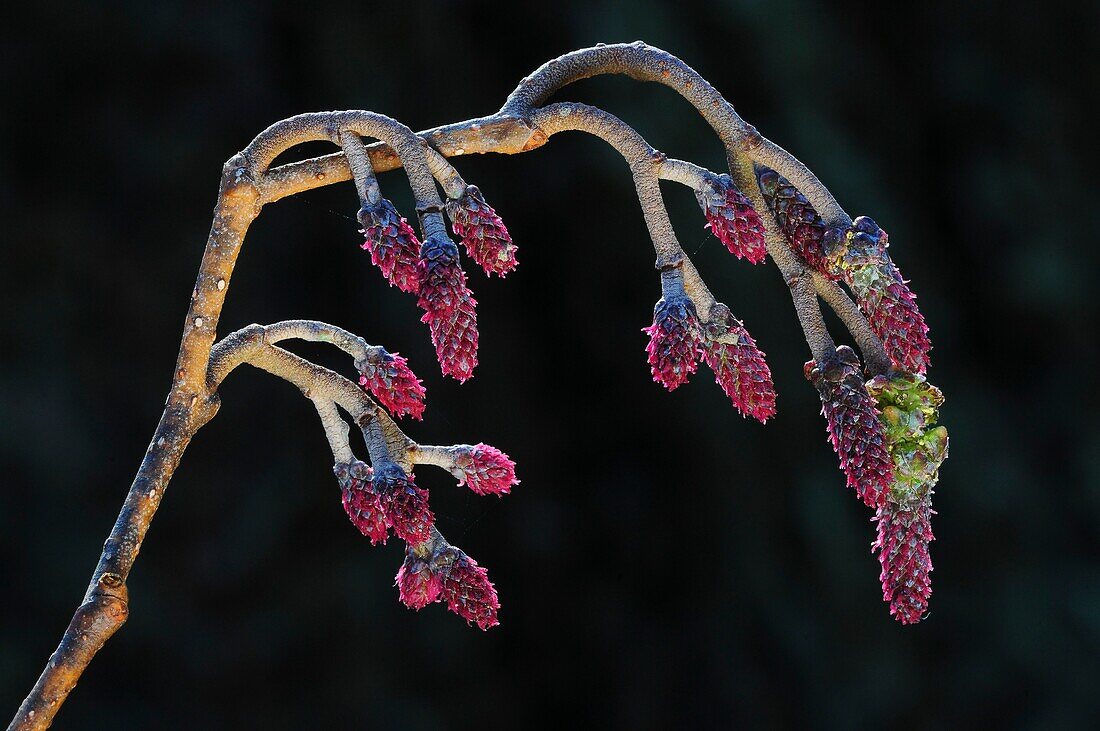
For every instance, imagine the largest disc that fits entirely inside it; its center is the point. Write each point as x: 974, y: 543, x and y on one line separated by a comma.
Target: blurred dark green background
x: 665, y: 563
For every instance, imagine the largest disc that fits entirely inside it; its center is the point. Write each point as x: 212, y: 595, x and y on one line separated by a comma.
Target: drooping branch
x: 336, y: 429
x: 454, y: 577
x: 509, y: 131
x: 502, y: 135
x: 411, y: 150
x: 876, y: 362
x: 446, y: 175
x: 250, y: 345
x: 518, y: 118
x: 254, y: 345
x: 793, y: 271
x: 362, y: 173
x: 321, y: 332
x: 646, y: 165
x: 249, y: 182
x: 646, y: 63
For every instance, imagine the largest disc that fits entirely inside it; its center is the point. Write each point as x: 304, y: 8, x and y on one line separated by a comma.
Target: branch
x: 409, y: 148
x: 321, y: 332
x: 645, y: 63
x: 509, y: 131
x: 254, y: 345
x: 519, y: 128
x: 105, y: 606
x: 248, y: 182
x: 645, y: 164
x: 336, y: 429
x: 506, y: 135
x: 875, y: 360
x: 366, y: 184
x: 796, y: 274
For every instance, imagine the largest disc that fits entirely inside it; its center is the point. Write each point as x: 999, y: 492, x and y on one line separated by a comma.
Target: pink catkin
x: 854, y: 428
x: 899, y: 324
x: 486, y: 470
x: 674, y: 341
x: 468, y: 592
x: 441, y: 572
x: 742, y: 372
x: 449, y: 308
x: 482, y: 232
x: 390, y: 380
x: 417, y: 585
x: 860, y: 255
x: 392, y: 244
x: 405, y: 504
x: 361, y: 501
x: 455, y: 340
x: 904, y: 534
x: 732, y: 219
x: 797, y: 219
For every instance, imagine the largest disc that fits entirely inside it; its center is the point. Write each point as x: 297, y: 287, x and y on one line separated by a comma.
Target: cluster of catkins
x: 858, y: 257
x: 385, y: 498
x: 679, y: 339
x: 883, y: 431
x: 433, y: 271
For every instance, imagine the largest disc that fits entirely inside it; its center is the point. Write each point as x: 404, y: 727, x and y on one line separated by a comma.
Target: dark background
x: 665, y: 563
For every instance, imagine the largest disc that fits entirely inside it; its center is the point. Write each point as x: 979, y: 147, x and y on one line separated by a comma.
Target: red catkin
x: 389, y: 379
x: 449, y: 308
x: 797, y: 219
x: 484, y: 235
x: 392, y: 244
x: 417, y: 585
x: 405, y: 504
x: 904, y: 533
x: 439, y: 572
x: 485, y: 470
x: 853, y: 425
x: 361, y: 500
x: 859, y: 256
x: 732, y: 218
x: 469, y: 593
x: 738, y: 364
x: 674, y: 341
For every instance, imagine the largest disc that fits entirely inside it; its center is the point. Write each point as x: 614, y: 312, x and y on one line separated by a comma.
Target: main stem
x: 191, y: 404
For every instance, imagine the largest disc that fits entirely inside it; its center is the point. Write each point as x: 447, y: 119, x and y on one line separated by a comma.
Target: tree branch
x: 502, y: 132
x: 106, y: 603
x: 794, y: 272
x: 646, y: 63
x: 875, y: 360
x: 336, y: 429
x: 409, y: 148
x: 645, y: 164
x: 254, y: 345
x: 248, y: 182
x: 190, y: 405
